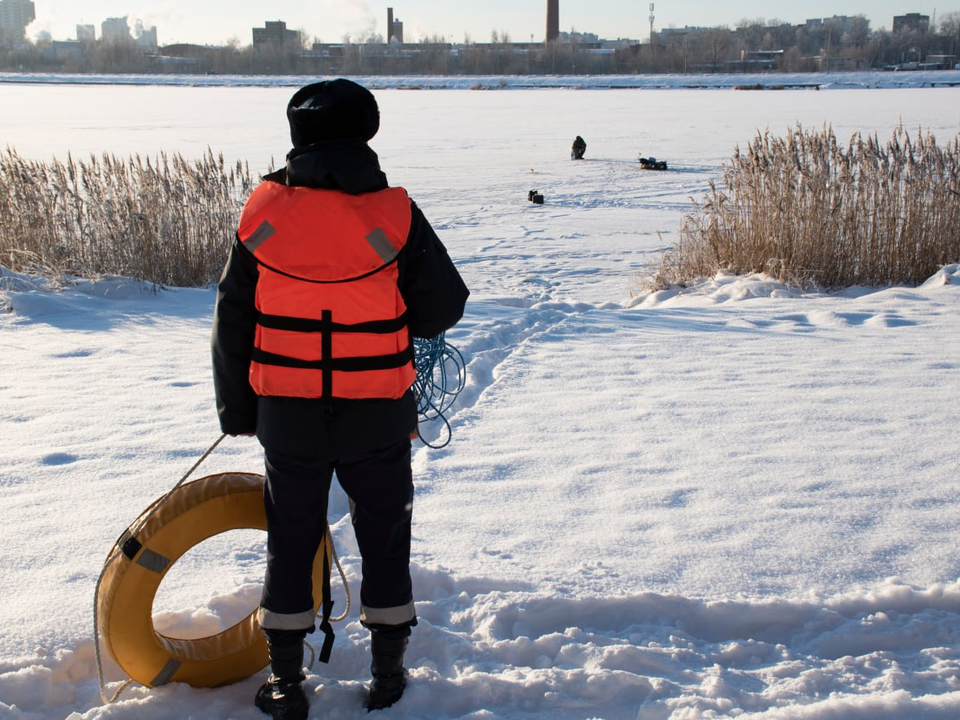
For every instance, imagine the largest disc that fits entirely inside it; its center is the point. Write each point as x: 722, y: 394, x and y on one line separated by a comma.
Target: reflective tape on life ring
x: 194, y: 512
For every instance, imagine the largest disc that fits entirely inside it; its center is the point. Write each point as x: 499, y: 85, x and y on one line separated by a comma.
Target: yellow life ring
x: 192, y: 513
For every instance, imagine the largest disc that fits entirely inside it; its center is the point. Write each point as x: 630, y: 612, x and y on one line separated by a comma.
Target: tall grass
x: 163, y: 220
x: 811, y: 211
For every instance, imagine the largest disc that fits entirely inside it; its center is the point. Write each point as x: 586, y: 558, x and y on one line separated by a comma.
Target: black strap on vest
x: 306, y: 325
x: 328, y: 364
x: 345, y: 364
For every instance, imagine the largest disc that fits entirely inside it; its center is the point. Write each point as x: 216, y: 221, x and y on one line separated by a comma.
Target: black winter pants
x: 380, y: 486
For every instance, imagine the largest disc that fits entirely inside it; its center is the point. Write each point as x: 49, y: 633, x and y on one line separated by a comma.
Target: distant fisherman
x: 578, y: 149
x: 331, y: 274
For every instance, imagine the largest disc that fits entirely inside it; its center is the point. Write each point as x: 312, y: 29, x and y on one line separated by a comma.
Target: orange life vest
x: 331, y: 323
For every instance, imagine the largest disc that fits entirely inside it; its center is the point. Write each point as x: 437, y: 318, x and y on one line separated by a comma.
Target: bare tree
x: 718, y: 41
x: 752, y: 32
x: 858, y: 33
x: 949, y: 31
x: 305, y: 39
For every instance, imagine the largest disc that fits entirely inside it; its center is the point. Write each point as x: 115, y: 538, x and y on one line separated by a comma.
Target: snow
x: 731, y: 500
x: 778, y: 81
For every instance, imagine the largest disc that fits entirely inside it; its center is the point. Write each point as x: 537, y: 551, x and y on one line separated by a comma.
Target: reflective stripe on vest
x: 332, y: 323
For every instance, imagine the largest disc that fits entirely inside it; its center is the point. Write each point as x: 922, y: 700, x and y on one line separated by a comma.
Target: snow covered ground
x: 820, y: 80
x: 734, y: 501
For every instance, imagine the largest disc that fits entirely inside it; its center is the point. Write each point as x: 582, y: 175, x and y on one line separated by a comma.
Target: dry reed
x: 811, y: 212
x: 163, y: 220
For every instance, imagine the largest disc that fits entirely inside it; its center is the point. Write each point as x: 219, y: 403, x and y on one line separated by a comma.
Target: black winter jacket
x: 431, y: 287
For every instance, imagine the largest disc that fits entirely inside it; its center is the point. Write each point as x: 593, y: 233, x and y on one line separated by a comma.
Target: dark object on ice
x: 578, y: 149
x: 651, y: 163
x: 535, y: 197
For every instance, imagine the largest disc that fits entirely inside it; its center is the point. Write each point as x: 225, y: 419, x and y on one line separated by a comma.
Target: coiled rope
x: 441, y: 376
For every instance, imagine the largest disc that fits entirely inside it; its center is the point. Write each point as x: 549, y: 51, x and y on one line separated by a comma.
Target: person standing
x: 331, y: 274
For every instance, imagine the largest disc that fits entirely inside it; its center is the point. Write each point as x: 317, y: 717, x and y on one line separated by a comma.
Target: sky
x: 215, y: 21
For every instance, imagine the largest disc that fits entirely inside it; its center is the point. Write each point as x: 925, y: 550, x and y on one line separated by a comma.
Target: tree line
x: 845, y: 43
x: 837, y: 43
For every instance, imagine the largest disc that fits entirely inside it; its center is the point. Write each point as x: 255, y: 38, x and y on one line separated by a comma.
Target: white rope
x: 96, y: 641
x: 343, y: 579
x: 132, y: 531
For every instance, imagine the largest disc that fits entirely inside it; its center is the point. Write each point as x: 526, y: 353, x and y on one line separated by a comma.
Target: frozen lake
x: 470, y: 157
x: 738, y: 501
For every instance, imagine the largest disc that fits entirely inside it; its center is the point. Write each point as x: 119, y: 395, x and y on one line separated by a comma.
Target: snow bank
x: 745, y: 81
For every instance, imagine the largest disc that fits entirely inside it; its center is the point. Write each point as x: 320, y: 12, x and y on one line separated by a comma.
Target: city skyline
x: 215, y: 22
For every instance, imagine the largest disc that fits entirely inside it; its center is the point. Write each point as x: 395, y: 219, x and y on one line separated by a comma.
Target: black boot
x: 282, y: 696
x: 283, y: 699
x: 389, y: 676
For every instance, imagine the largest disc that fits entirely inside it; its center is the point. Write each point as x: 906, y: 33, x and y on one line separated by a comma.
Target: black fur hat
x: 332, y: 110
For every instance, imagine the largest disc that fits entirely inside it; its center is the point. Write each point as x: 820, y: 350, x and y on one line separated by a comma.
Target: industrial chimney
x: 553, y: 20
x: 394, y: 28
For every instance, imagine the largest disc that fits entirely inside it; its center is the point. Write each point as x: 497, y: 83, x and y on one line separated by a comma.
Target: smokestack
x: 394, y: 28
x: 553, y: 20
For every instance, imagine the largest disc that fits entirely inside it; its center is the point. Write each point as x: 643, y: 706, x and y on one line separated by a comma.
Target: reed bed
x: 163, y: 220
x: 812, y: 212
